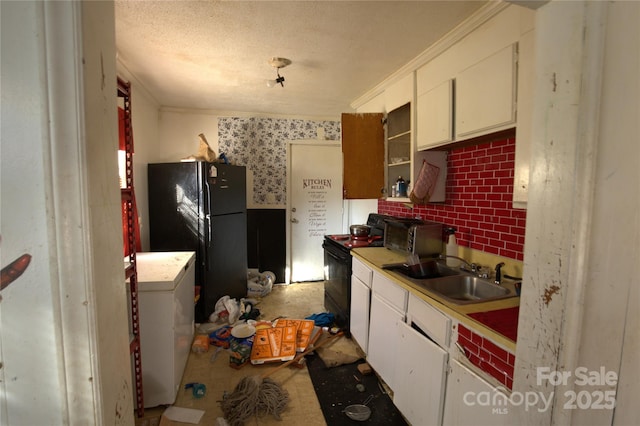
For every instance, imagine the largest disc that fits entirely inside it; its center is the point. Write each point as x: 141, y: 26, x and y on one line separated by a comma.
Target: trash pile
x: 260, y: 284
x: 236, y: 329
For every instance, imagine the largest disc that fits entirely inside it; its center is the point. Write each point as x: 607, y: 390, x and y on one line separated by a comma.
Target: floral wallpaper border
x: 260, y: 144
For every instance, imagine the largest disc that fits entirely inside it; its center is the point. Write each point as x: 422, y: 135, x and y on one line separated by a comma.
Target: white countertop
x: 161, y: 271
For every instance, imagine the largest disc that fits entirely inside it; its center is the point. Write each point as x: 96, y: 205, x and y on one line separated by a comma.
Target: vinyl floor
x: 293, y: 301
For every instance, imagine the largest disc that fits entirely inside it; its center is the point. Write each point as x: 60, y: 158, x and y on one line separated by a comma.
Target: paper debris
x: 185, y: 415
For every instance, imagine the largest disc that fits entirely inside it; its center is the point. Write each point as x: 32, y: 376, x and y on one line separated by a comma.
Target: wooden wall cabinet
x: 363, y: 155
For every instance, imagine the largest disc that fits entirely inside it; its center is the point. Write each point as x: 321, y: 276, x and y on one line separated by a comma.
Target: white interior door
x: 314, y: 201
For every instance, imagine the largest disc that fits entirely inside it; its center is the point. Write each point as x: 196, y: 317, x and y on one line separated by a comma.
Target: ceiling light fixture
x: 278, y: 63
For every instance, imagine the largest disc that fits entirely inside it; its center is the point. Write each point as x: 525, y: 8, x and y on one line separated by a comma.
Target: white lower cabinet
x: 408, y: 345
x: 383, y: 338
x: 421, y: 374
x: 471, y: 400
x: 388, y: 308
x: 359, y: 317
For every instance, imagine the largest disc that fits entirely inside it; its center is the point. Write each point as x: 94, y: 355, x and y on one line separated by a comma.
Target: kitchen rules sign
x: 317, y: 190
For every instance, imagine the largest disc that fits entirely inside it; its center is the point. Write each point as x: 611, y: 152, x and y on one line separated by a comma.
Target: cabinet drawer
x: 433, y: 322
x: 361, y: 271
x: 395, y: 295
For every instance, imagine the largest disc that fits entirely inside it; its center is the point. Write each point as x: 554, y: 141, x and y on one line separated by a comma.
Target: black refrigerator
x: 202, y: 207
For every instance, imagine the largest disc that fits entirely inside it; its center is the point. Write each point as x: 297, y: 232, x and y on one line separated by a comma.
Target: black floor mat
x: 336, y: 389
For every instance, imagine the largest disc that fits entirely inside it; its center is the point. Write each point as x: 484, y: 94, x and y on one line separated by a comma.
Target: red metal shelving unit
x: 128, y: 201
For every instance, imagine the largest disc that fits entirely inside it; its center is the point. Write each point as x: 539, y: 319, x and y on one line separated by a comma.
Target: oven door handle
x: 337, y: 257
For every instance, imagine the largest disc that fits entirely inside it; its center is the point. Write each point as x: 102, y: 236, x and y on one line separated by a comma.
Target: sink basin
x: 462, y: 289
x: 424, y: 270
x: 456, y: 286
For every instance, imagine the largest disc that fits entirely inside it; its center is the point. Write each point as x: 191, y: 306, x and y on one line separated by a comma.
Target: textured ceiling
x: 214, y: 55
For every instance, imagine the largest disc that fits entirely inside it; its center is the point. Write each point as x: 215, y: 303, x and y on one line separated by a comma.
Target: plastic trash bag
x: 259, y: 285
x: 226, y: 309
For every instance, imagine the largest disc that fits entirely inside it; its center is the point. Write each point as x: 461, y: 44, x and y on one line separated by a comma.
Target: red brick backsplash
x: 487, y: 356
x: 478, y: 204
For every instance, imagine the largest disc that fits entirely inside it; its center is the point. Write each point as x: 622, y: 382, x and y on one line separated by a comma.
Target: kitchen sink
x: 424, y: 270
x: 454, y: 286
x: 463, y: 289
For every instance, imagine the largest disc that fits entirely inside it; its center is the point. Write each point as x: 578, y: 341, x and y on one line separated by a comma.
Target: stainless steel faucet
x: 470, y: 266
x: 498, y: 279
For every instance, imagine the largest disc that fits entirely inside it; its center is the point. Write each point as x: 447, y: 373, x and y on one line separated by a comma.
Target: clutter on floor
x: 345, y: 395
x: 222, y: 378
x: 260, y: 395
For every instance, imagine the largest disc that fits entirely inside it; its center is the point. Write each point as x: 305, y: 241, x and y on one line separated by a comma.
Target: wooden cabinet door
x: 363, y: 155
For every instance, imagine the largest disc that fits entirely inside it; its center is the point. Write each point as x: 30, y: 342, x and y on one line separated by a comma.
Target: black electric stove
x: 337, y: 266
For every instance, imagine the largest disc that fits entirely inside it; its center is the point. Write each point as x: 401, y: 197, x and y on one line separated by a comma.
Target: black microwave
x: 414, y: 236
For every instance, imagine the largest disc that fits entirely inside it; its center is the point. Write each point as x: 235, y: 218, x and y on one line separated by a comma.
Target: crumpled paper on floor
x: 340, y: 352
x: 180, y: 414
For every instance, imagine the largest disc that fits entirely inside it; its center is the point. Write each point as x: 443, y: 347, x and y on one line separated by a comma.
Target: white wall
x: 178, y: 134
x: 100, y: 202
x: 146, y: 123
x: 28, y: 335
x: 64, y: 335
x: 612, y: 298
x: 356, y: 212
x: 579, y: 297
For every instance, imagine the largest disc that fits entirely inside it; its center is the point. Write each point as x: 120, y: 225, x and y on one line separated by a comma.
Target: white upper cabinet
x: 470, y: 102
x: 486, y: 95
x: 526, y: 66
x: 435, y: 116
x: 473, y: 87
x: 399, y: 93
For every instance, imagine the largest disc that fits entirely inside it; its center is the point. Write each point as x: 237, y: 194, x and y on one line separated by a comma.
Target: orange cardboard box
x: 274, y: 344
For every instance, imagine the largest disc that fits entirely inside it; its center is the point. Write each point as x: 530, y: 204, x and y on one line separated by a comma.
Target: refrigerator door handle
x: 208, y: 213
x: 207, y: 217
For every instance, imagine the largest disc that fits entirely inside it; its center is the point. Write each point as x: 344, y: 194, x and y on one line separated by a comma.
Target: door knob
x: 294, y: 220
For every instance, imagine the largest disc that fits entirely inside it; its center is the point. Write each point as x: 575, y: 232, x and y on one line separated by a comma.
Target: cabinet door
x: 421, y: 371
x: 363, y: 155
x: 526, y: 66
x: 435, y: 116
x: 485, y: 95
x: 383, y: 339
x: 399, y: 149
x: 359, y: 318
x: 466, y: 402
